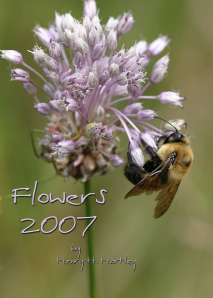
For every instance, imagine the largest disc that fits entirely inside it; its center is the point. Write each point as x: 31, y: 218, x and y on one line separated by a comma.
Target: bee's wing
x: 165, y: 198
x: 153, y: 181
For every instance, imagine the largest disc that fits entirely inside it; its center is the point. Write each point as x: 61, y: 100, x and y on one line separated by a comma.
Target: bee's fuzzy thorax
x: 183, y: 161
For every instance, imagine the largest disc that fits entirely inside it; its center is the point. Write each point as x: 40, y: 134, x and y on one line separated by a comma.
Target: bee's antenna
x: 167, y: 122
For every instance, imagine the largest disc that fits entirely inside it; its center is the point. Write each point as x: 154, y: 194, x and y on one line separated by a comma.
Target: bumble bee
x: 163, y: 172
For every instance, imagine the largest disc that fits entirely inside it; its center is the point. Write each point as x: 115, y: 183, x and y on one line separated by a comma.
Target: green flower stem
x: 89, y: 236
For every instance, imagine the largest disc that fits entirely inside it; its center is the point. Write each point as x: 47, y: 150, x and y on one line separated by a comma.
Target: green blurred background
x: 175, y: 253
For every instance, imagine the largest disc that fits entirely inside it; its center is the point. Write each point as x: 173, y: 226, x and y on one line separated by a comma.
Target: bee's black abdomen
x: 149, y: 166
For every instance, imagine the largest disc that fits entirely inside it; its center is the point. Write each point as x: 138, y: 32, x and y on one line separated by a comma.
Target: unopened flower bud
x: 57, y: 94
x: 64, y: 74
x: 178, y: 123
x: 111, y: 24
x: 43, y: 108
x: 79, y: 59
x: 69, y: 38
x: 158, y: 45
x: 54, y: 49
x: 113, y: 69
x: 97, y: 51
x: 90, y: 8
x: 56, y: 105
x: 67, y: 146
x: 137, y: 157
x: 148, y: 139
x: 159, y: 70
x: 125, y: 24
x: 103, y: 77
x: 81, y: 31
x: 30, y: 88
x: 140, y: 48
x: 144, y: 61
x: 135, y: 135
x: 122, y: 79
x: 146, y: 115
x: 44, y: 35
x: 53, y: 76
x: 20, y: 75
x: 65, y: 22
x: 93, y: 80
x: 111, y: 41
x: 99, y: 114
x: 81, y: 45
x: 12, y: 56
x: 49, y: 89
x: 170, y: 97
x: 96, y: 22
x: 94, y: 36
x: 131, y: 52
x: 87, y: 23
x: 133, y: 145
x: 39, y: 56
x: 57, y: 137
x: 134, y: 90
x: 72, y: 106
x: 133, y: 108
x: 116, y: 160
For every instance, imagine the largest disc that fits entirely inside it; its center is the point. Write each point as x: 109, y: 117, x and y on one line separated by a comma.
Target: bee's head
x: 177, y: 137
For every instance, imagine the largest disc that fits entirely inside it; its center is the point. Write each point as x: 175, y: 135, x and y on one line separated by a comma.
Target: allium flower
x: 84, y: 70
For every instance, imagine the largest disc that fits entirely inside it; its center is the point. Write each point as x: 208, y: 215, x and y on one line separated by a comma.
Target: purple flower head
x: 82, y: 70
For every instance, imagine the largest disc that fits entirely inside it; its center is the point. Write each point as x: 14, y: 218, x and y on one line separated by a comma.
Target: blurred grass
x: 174, y: 254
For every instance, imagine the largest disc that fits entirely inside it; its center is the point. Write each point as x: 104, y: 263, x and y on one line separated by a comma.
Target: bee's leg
x: 155, y: 161
x: 129, y: 157
x: 149, y: 149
